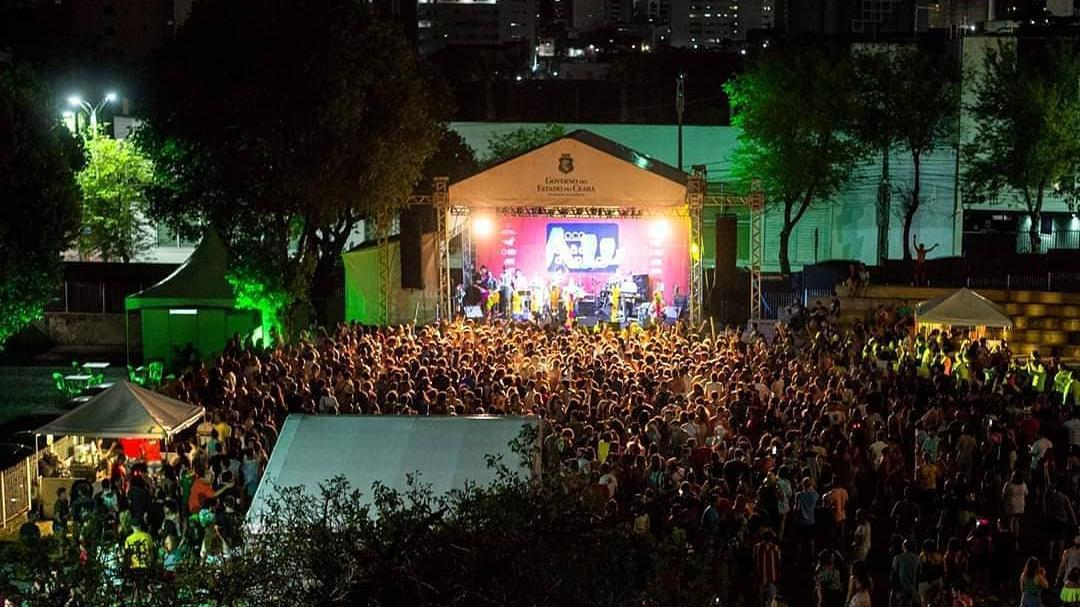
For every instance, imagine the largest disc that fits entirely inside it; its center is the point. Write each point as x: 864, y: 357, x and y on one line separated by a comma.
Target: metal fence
x: 98, y: 297
x: 19, y: 482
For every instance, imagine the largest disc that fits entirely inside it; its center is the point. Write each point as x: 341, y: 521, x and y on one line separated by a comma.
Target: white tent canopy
x: 964, y: 308
x: 447, y: 452
x: 126, y: 411
x: 580, y: 169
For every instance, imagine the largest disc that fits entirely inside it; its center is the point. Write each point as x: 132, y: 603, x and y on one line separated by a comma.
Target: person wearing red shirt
x: 202, y: 490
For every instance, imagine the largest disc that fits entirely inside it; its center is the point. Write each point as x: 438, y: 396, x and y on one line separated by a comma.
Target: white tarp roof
x: 126, y: 411
x: 446, y: 451
x: 964, y: 308
x: 580, y: 169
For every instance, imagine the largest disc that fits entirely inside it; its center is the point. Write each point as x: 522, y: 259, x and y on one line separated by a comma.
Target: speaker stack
x: 725, y: 275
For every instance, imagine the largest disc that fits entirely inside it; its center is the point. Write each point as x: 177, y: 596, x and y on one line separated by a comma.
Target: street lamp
x: 91, y: 110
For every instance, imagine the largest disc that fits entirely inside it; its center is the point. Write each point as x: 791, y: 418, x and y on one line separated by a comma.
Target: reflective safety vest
x: 925, y: 362
x: 961, y: 369
x: 1038, y: 376
x: 1063, y: 384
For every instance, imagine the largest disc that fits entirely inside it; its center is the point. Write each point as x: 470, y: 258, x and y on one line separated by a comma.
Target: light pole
x: 91, y: 111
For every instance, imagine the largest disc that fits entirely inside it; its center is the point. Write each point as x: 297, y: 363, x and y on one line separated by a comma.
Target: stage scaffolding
x: 454, y: 220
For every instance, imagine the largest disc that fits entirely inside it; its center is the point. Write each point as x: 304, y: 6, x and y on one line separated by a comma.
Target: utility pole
x: 680, y: 105
x: 884, y: 208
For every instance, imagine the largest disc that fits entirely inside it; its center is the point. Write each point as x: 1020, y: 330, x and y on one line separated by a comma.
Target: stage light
x: 695, y: 251
x: 483, y: 226
x: 659, y: 229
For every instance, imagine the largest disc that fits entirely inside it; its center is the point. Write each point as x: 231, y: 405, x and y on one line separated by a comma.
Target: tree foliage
x: 520, y: 541
x: 39, y: 197
x: 286, y: 147
x: 795, y: 109
x: 113, y: 185
x: 1026, y: 139
x: 908, y: 97
x: 521, y: 140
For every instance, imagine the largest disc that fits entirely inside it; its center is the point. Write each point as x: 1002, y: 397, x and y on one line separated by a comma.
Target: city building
x: 128, y: 30
x: 704, y: 24
x: 443, y: 24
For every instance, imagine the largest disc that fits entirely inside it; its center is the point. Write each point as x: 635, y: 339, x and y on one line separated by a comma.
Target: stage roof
x: 447, y: 451
x: 581, y: 169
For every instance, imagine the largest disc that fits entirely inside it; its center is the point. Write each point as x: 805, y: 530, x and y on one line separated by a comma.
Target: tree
x: 801, y: 151
x: 114, y: 184
x: 520, y: 541
x: 1027, y: 118
x: 453, y: 158
x: 40, y: 201
x: 285, y: 148
x: 878, y: 84
x: 521, y: 140
x: 909, y: 97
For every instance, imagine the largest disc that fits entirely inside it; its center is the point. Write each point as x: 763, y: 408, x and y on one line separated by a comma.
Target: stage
x: 593, y: 269
x: 580, y: 230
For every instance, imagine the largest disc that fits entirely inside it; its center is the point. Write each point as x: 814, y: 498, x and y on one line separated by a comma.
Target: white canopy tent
x: 126, y: 410
x: 447, y: 452
x: 964, y: 308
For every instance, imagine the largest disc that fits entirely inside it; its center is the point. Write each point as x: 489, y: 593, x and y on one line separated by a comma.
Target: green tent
x: 194, y: 305
x: 362, y: 286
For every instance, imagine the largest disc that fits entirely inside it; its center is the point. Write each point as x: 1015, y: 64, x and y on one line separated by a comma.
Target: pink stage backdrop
x: 588, y: 252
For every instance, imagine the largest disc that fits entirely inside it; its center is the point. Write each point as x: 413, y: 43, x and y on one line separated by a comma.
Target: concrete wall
x: 89, y: 330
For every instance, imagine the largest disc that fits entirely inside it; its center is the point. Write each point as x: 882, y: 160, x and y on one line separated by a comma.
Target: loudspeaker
x: 412, y: 275
x: 727, y: 245
x: 586, y: 306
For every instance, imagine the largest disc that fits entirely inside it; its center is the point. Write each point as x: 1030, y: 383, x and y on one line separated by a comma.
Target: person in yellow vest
x: 960, y: 368
x: 926, y: 359
x: 1037, y: 370
x: 616, y: 295
x: 1063, y: 384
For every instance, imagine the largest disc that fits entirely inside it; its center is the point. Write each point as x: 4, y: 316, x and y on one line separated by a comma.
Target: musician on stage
x: 538, y: 297
x: 615, y: 299
x: 658, y: 306
x: 554, y: 301
x: 506, y: 291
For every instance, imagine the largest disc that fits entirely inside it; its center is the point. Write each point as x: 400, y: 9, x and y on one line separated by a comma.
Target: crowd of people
x: 856, y: 464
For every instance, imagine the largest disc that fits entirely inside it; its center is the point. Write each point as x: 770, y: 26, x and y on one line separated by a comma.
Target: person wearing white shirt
x: 1073, y: 426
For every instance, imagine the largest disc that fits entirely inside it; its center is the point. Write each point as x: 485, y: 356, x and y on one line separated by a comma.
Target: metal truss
x: 382, y: 235
x: 756, y: 203
x: 695, y: 200
x: 440, y: 199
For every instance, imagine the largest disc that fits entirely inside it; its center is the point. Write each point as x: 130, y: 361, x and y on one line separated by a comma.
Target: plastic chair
x: 154, y: 371
x: 136, y: 376
x: 60, y: 383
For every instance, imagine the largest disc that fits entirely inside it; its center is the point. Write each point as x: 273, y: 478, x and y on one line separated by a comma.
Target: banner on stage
x: 588, y: 253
